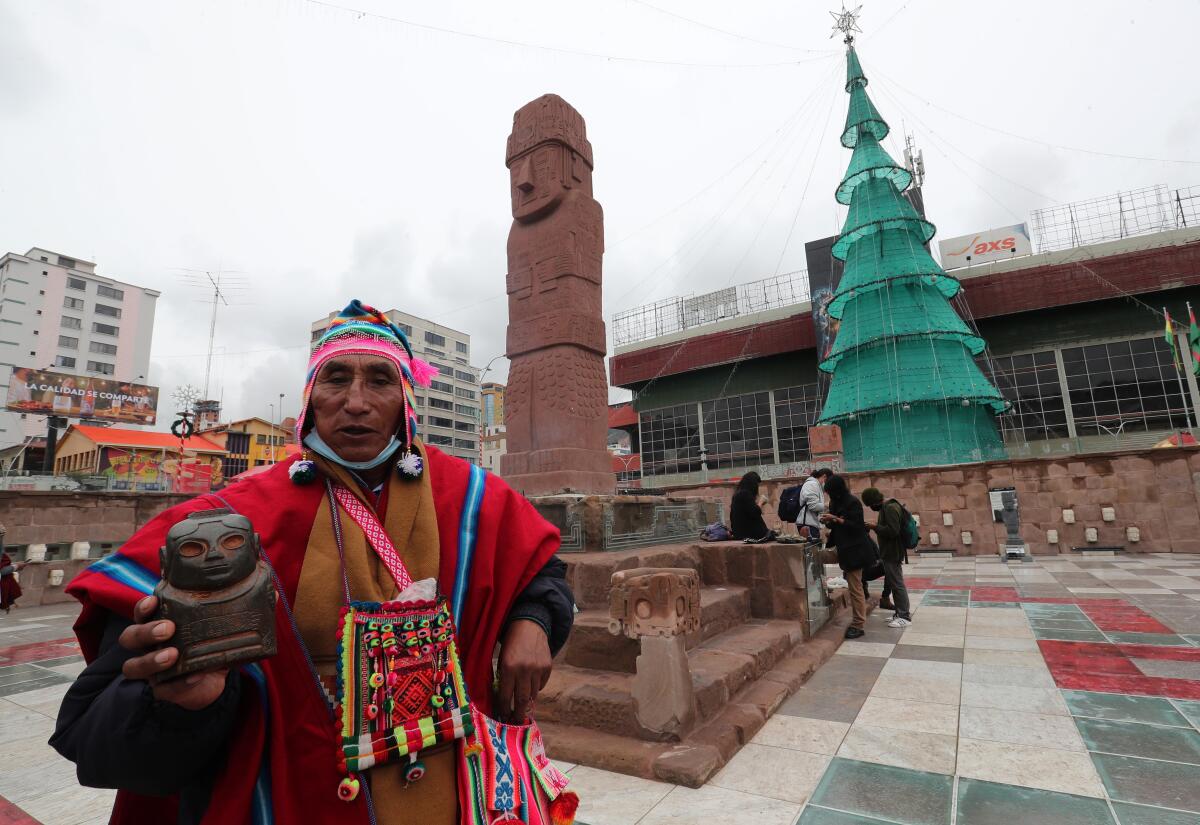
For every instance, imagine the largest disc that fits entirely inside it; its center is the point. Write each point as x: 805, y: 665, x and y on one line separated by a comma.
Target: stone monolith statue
x: 556, y: 401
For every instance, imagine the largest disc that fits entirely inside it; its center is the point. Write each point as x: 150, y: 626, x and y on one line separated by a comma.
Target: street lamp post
x: 483, y: 375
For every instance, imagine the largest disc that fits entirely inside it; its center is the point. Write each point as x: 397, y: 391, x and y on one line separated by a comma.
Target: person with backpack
x: 895, y: 529
x: 804, y: 503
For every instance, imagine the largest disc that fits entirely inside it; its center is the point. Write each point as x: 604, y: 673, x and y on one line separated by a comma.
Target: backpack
x: 716, y: 532
x: 911, y: 534
x: 789, y: 504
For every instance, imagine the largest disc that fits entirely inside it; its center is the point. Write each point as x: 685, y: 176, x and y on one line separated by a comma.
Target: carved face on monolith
x: 548, y: 155
x: 209, y: 551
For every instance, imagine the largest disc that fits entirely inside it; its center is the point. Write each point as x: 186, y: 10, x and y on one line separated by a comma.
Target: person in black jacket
x: 855, y: 549
x: 745, y: 511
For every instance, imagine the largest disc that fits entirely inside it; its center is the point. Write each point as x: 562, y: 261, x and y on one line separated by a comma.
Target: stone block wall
x: 63, y: 517
x: 1156, y: 491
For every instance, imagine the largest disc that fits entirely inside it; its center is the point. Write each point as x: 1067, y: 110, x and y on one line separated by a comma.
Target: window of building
x: 464, y: 443
x: 67, y: 342
x: 420, y: 419
x: 441, y: 386
x: 101, y: 367
x: 462, y: 375
x: 108, y: 292
x: 670, y: 440
x: 438, y: 403
x: 462, y: 392
x: 465, y: 426
x: 111, y: 312
x: 72, y: 323
x: 104, y: 349
x: 461, y: 348
x: 260, y: 438
x: 1030, y: 384
x: 406, y: 329
x: 443, y: 369
x: 466, y: 409
x: 63, y: 260
x: 420, y: 400
x: 73, y: 303
x: 105, y: 329
x: 1128, y: 386
x: 76, y: 283
x: 441, y: 440
x: 435, y: 339
x: 796, y: 409
x: 64, y: 361
x: 438, y: 421
x: 737, y: 431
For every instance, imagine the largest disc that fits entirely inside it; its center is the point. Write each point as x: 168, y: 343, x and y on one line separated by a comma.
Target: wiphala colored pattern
x: 400, y: 688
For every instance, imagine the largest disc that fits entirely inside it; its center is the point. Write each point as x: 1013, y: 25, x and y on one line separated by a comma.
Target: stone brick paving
x: 1064, y: 691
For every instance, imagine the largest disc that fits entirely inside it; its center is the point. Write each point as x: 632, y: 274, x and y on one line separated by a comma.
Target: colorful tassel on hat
x: 562, y: 810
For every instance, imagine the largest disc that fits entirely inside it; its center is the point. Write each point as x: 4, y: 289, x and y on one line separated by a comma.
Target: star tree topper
x: 846, y: 22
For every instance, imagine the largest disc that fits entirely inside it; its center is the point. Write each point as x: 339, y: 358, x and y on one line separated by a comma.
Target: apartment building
x: 57, y: 312
x: 447, y: 410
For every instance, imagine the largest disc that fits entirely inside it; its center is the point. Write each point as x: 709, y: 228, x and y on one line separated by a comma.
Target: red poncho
x: 282, y: 759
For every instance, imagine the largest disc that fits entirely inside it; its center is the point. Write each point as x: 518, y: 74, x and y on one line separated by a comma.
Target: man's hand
x: 525, y: 664
x: 192, y: 692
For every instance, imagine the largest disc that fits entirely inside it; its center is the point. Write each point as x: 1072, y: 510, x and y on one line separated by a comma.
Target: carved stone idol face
x: 537, y: 180
x: 209, y: 550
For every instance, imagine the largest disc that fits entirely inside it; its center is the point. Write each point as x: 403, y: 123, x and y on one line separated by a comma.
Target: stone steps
x: 741, y: 677
x: 601, y: 699
x: 592, y: 646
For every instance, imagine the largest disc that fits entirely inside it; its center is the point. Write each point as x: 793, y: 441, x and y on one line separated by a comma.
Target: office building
x: 58, y: 313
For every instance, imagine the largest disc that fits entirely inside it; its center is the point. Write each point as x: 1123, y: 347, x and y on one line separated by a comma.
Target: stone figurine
x: 556, y: 401
x: 217, y: 591
x: 1011, y: 519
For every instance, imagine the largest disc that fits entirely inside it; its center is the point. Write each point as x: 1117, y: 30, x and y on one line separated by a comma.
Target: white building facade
x: 447, y: 410
x: 58, y: 313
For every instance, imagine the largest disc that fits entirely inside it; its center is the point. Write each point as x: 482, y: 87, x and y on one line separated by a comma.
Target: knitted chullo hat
x: 363, y: 330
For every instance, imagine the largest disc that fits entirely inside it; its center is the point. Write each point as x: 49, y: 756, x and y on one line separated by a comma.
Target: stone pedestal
x: 556, y: 401
x: 610, y: 523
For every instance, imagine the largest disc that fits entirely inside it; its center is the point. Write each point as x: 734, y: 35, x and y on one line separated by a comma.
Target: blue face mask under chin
x: 317, y: 444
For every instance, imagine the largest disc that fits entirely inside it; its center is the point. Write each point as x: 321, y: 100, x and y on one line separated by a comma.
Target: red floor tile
x: 10, y: 814
x: 1136, y: 685
x: 36, y: 651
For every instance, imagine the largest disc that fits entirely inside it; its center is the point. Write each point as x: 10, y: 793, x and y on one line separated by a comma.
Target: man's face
x: 877, y: 506
x: 357, y: 405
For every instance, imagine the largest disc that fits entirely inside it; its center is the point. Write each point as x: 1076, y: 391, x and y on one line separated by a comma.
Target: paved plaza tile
x: 1064, y: 691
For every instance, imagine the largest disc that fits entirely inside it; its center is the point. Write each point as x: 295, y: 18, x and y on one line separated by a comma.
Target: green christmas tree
x: 906, y: 390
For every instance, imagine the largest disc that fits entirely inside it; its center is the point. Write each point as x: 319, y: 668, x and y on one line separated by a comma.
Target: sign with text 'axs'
x: 984, y: 247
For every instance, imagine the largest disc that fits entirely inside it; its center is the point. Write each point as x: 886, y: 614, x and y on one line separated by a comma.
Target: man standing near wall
x: 812, y: 504
x: 890, y: 530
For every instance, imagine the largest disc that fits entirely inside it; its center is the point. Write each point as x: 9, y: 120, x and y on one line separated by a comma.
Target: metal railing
x: 680, y: 313
x: 1112, y: 217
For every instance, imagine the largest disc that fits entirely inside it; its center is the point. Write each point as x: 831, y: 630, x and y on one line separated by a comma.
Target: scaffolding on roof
x: 1142, y: 211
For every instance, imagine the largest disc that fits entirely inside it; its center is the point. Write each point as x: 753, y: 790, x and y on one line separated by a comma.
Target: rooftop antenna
x: 222, y: 286
x: 914, y: 160
x: 846, y: 22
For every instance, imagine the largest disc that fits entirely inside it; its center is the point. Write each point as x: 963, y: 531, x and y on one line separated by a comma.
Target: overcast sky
x: 326, y: 154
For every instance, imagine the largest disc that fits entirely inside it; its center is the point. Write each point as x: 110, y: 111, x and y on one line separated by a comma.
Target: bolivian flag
x: 1194, y: 339
x: 1169, y: 333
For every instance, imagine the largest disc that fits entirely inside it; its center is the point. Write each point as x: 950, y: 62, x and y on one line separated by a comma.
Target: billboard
x: 984, y: 247
x: 43, y: 392
x: 824, y: 275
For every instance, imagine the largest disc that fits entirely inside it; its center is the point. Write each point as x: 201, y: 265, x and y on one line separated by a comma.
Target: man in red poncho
x: 256, y: 743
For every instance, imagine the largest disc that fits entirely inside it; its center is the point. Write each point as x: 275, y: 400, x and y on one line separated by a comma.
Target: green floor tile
x: 824, y: 816
x: 1039, y: 623
x: 1144, y: 815
x: 1013, y: 605
x: 1192, y: 638
x: 1119, y: 708
x: 895, y: 794
x: 1149, y: 782
x: 1157, y: 639
x: 1146, y: 741
x: 1189, y: 709
x: 1069, y: 635
x: 990, y: 803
